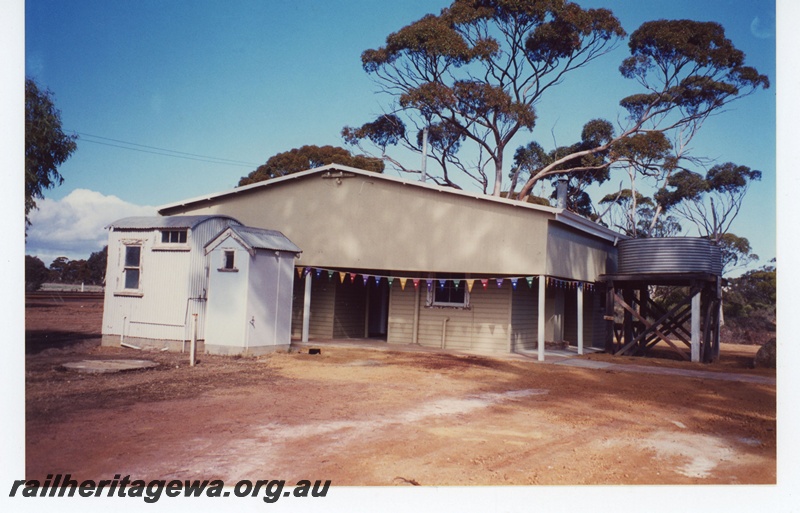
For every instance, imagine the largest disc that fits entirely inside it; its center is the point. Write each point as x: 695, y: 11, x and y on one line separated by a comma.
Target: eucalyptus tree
x: 688, y: 70
x: 46, y: 144
x: 710, y: 202
x: 307, y: 157
x: 474, y: 73
x: 632, y: 213
x: 532, y: 157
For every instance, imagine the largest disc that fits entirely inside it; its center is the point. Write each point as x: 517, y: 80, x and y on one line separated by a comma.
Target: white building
x: 158, y: 281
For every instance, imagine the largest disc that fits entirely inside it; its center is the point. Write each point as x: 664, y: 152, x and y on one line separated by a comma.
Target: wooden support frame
x: 650, y: 328
x: 692, y: 324
x: 609, y: 317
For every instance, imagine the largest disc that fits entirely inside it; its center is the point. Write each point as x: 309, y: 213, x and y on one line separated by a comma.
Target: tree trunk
x: 498, y: 173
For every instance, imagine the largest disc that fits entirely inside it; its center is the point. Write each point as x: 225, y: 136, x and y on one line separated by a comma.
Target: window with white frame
x: 449, y: 291
x: 132, y: 270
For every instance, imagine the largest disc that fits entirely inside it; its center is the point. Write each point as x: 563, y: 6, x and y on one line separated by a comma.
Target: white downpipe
x: 444, y: 330
x: 193, y: 346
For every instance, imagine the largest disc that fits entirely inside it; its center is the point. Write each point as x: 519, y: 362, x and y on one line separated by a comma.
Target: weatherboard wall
x: 323, y: 297
x: 575, y: 256
x: 483, y: 326
x: 524, y: 316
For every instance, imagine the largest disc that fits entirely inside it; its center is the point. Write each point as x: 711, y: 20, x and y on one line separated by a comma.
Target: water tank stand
x: 645, y: 323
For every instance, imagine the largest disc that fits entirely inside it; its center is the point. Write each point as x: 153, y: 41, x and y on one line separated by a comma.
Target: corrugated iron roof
x: 254, y: 238
x: 259, y: 238
x: 158, y: 222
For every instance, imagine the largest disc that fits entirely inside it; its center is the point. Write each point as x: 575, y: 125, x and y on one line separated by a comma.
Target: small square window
x: 449, y: 291
x: 133, y: 256
x: 229, y: 262
x: 132, y: 279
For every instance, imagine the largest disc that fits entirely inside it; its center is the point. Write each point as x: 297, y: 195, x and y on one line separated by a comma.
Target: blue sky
x: 244, y: 80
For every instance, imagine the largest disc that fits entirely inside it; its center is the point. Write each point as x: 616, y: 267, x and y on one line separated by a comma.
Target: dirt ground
x: 361, y: 416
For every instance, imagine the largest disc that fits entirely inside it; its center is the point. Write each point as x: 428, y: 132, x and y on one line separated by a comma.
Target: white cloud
x: 74, y: 226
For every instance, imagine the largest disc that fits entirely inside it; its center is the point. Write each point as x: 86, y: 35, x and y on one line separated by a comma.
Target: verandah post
x: 580, y: 318
x: 696, y: 323
x: 306, y: 308
x: 540, y: 319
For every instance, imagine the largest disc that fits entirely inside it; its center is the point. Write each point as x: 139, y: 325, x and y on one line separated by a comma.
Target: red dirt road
x: 367, y: 417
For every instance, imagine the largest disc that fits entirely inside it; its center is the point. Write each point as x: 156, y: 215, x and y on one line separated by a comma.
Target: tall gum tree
x: 688, y: 70
x: 307, y: 157
x: 475, y: 73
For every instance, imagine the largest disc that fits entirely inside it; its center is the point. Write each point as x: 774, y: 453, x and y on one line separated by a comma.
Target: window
x: 228, y: 263
x: 173, y: 236
x: 133, y: 267
x: 449, y: 291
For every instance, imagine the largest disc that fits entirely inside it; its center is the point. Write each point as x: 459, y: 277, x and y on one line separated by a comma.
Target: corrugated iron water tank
x: 669, y: 255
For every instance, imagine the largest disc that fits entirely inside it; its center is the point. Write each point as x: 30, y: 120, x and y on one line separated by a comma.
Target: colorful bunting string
x: 470, y: 282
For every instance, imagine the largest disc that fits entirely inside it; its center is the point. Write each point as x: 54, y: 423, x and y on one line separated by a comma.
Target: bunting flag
x: 442, y: 282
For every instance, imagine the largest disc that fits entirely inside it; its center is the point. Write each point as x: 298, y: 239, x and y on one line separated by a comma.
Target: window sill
x: 172, y: 247
x: 449, y: 307
x: 223, y: 270
x: 129, y: 293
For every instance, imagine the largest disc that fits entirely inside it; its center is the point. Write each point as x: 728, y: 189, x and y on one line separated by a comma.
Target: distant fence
x: 57, y: 296
x: 69, y: 287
